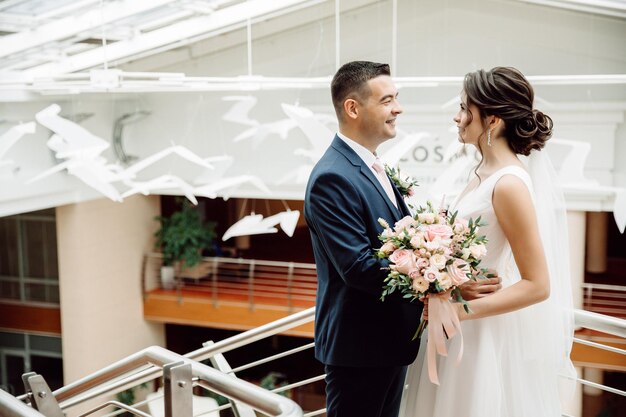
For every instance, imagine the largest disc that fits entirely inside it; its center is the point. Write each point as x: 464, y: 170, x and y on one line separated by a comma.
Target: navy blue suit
x: 354, y: 330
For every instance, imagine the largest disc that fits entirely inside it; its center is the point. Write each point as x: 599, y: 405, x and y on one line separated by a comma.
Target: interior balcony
x: 241, y: 294
x: 228, y: 293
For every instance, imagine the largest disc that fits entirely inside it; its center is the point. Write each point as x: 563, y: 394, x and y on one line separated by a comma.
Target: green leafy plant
x: 274, y: 380
x: 128, y: 397
x: 183, y: 236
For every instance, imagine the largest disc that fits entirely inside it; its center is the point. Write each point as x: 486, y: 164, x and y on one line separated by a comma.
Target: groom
x: 365, y: 344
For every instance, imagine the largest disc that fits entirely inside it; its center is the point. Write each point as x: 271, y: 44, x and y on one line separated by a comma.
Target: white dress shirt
x: 369, y: 158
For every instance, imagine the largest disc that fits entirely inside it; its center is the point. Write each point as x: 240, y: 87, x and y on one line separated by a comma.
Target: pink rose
x: 431, y: 274
x: 388, y: 247
x: 441, y: 231
x: 404, y: 261
x: 404, y: 223
x: 458, y: 271
x: 422, y: 263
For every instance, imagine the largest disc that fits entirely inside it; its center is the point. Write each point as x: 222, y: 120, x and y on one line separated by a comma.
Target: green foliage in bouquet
x: 403, y: 184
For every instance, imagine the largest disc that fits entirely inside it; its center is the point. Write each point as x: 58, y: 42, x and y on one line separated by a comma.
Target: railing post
x: 41, y: 395
x: 178, y: 282
x: 289, y: 289
x: 13, y: 407
x: 251, y: 285
x: 178, y: 399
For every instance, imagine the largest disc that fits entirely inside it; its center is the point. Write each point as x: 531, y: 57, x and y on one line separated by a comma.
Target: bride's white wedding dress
x: 510, y: 362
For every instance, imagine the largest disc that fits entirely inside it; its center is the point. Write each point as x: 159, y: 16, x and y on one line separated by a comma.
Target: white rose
x: 432, y: 246
x: 387, y: 233
x: 478, y: 251
x: 445, y: 282
x: 428, y: 218
x: 465, y: 253
x: 458, y: 228
x: 420, y: 284
x: 438, y: 261
x: 417, y: 241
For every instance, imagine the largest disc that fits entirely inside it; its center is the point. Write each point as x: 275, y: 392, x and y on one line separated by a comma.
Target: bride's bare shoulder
x: 511, y: 197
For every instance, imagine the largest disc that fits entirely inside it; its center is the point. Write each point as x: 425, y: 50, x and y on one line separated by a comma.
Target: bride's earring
x: 489, y: 137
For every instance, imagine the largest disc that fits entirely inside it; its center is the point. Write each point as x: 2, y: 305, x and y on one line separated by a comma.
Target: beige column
x: 101, y: 245
x: 576, y: 224
x: 597, y: 223
x: 576, y: 221
x: 593, y: 401
x: 242, y: 208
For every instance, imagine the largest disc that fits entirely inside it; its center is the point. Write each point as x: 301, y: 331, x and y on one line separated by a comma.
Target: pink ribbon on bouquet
x: 441, y: 316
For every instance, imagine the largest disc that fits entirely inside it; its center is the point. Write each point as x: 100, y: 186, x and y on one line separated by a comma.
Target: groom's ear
x: 350, y: 106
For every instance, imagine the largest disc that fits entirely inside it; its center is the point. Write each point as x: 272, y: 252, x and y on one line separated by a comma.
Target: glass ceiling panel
x: 36, y: 8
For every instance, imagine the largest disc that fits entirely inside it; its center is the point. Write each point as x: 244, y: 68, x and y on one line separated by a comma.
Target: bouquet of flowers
x: 430, y: 255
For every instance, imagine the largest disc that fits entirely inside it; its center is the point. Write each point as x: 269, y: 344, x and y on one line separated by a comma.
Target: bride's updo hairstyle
x: 505, y: 92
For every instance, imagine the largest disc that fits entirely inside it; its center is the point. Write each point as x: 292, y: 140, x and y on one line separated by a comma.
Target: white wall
x: 100, y: 247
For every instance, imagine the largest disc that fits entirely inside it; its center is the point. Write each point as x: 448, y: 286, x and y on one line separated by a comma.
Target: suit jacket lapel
x: 402, y: 207
x: 370, y: 176
x: 356, y: 160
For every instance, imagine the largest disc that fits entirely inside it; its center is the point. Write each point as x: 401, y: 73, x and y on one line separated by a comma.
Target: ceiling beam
x: 610, y: 8
x: 170, y: 35
x: 72, y: 25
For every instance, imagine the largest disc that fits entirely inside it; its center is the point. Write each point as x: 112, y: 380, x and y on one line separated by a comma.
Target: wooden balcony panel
x: 232, y: 312
x: 588, y: 356
x: 30, y: 318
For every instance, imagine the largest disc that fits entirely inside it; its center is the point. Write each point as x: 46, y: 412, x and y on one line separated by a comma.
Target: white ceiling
x: 65, y: 45
x: 52, y: 37
x: 44, y: 38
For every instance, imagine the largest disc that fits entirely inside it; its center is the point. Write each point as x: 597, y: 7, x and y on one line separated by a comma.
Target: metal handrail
x: 242, y: 261
x: 123, y: 407
x: 600, y: 322
x: 603, y: 286
x: 254, y: 396
x: 13, y: 407
x: 68, y: 397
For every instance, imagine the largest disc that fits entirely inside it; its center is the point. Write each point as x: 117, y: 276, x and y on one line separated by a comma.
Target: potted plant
x: 181, y: 239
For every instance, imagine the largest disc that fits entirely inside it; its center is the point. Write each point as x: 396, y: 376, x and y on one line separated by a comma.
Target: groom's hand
x: 481, y: 287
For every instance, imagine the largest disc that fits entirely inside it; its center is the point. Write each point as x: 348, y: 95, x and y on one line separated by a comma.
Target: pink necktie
x: 384, y: 180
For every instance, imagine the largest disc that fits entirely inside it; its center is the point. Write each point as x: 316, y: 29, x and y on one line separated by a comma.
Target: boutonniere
x: 403, y: 184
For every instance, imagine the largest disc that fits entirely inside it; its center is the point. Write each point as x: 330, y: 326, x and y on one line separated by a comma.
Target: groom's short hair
x: 350, y: 81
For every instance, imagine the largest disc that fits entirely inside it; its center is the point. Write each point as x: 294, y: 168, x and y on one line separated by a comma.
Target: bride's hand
x: 479, y: 288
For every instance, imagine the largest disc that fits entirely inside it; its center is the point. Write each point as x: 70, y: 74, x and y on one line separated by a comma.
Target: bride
x: 516, y: 357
